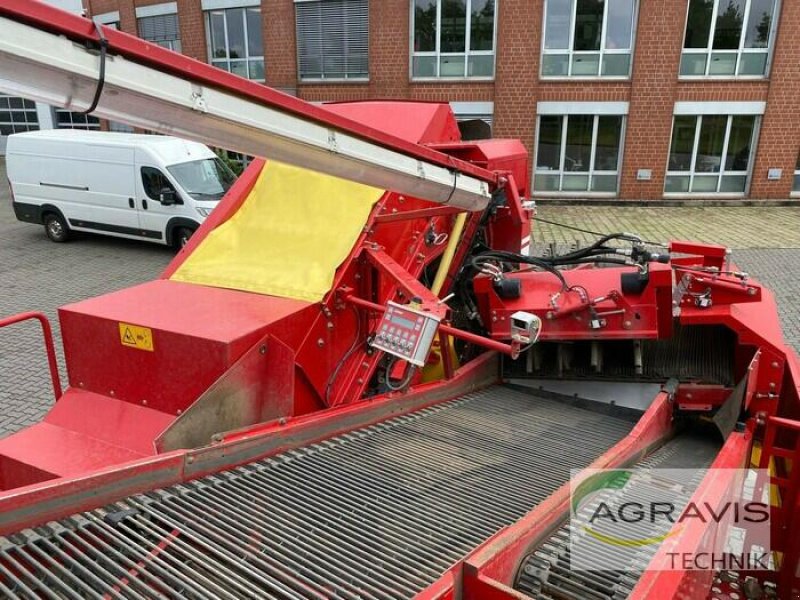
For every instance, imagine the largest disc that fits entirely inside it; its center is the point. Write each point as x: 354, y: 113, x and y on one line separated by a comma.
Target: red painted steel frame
x: 745, y: 309
x: 716, y: 485
x: 47, y: 334
x: 83, y: 30
x: 781, y: 450
x: 35, y: 504
x: 491, y: 569
x: 451, y: 331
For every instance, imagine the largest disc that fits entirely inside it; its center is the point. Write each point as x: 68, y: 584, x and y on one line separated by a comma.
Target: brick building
x: 630, y: 99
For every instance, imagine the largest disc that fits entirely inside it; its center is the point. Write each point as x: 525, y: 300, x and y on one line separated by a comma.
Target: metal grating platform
x: 547, y: 573
x: 380, y: 512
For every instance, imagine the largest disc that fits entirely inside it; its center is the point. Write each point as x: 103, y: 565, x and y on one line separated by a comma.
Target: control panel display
x: 406, y: 333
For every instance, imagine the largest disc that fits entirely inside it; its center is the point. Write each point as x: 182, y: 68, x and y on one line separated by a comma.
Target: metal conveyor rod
x: 378, y: 513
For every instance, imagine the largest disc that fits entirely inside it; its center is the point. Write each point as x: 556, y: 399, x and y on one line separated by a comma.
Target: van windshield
x: 206, y: 179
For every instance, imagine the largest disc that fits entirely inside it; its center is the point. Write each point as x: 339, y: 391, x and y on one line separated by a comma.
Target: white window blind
x: 161, y: 29
x: 333, y: 39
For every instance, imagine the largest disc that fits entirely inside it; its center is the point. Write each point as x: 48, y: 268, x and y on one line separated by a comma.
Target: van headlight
x: 204, y: 212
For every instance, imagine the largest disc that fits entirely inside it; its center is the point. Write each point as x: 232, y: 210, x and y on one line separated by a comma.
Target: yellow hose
x: 449, y: 252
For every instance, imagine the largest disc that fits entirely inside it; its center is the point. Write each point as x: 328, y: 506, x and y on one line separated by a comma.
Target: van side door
x: 158, y: 200
x: 91, y: 184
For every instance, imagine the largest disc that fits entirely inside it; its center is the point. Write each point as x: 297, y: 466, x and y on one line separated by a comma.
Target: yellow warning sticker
x: 135, y: 336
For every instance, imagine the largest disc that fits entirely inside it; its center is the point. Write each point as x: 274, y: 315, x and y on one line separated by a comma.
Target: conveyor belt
x: 547, y: 574
x: 379, y: 512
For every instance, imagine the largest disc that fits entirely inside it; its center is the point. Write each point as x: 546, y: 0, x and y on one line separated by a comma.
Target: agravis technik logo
x: 623, y: 519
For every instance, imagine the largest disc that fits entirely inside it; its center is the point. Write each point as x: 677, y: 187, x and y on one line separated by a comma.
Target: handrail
x: 47, y: 333
x: 788, y: 487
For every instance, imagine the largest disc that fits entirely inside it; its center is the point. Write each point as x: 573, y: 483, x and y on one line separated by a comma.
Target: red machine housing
x: 314, y: 375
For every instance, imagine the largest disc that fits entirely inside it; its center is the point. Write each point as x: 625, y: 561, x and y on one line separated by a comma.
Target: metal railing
x: 780, y: 453
x: 47, y: 334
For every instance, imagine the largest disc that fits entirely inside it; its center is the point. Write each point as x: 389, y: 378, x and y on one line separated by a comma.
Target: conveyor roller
x: 546, y: 574
x: 380, y: 512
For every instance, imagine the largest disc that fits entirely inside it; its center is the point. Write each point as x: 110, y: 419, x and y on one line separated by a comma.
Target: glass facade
x: 453, y: 38
x: 578, y: 153
x: 728, y: 38
x: 711, y: 154
x: 17, y: 115
x: 235, y: 41
x: 588, y: 38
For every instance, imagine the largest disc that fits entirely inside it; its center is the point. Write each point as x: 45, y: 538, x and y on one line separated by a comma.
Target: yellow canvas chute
x: 288, y: 237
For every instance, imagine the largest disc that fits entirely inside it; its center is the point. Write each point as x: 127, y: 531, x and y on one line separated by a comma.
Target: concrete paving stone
x: 737, y: 227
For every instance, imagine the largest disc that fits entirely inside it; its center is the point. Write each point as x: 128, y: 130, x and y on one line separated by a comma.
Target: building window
x: 109, y: 19
x: 332, y: 39
x: 17, y: 115
x: 578, y: 153
x: 727, y: 38
x: 162, y: 30
x: 474, y: 119
x: 453, y: 38
x: 710, y: 154
x: 588, y: 38
x: 66, y: 119
x: 235, y: 42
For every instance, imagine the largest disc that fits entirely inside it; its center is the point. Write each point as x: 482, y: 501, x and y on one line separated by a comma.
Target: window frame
x: 166, y: 178
x: 92, y: 123
x: 795, y: 193
x: 323, y: 79
x: 108, y: 19
x: 592, y: 158
x: 161, y: 43
x: 438, y: 54
x: 17, y: 126
x: 570, y: 52
x: 248, y: 59
x: 692, y: 172
x: 709, y: 50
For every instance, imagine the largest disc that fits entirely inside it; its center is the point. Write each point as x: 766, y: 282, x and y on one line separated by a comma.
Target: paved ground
x: 36, y: 274
x: 735, y: 227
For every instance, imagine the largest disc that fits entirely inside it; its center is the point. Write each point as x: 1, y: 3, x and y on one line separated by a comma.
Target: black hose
x: 403, y: 383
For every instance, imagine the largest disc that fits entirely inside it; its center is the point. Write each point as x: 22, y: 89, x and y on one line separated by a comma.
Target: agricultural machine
x: 355, y: 381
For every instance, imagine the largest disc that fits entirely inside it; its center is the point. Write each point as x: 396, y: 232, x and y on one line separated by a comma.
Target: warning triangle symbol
x: 128, y: 337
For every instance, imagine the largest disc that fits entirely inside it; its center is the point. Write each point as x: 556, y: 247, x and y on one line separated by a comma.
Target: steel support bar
x: 422, y: 213
x: 460, y: 334
x: 411, y: 286
x: 176, y: 96
x: 47, y: 334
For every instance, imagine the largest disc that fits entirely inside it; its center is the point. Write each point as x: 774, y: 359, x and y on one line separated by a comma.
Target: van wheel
x: 182, y: 236
x: 56, y: 227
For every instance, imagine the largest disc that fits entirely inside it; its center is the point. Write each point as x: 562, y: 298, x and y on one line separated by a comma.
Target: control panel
x: 406, y: 333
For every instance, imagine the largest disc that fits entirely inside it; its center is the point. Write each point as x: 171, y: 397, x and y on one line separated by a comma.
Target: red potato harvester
x: 354, y: 382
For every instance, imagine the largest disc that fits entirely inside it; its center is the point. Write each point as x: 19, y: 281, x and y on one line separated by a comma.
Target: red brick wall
x: 279, y: 44
x: 389, y: 47
x: 517, y: 69
x: 656, y: 60
x: 193, y: 29
x: 780, y: 127
x: 652, y: 91
x: 389, y: 65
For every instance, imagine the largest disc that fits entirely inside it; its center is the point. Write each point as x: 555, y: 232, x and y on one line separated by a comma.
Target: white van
x: 147, y: 187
